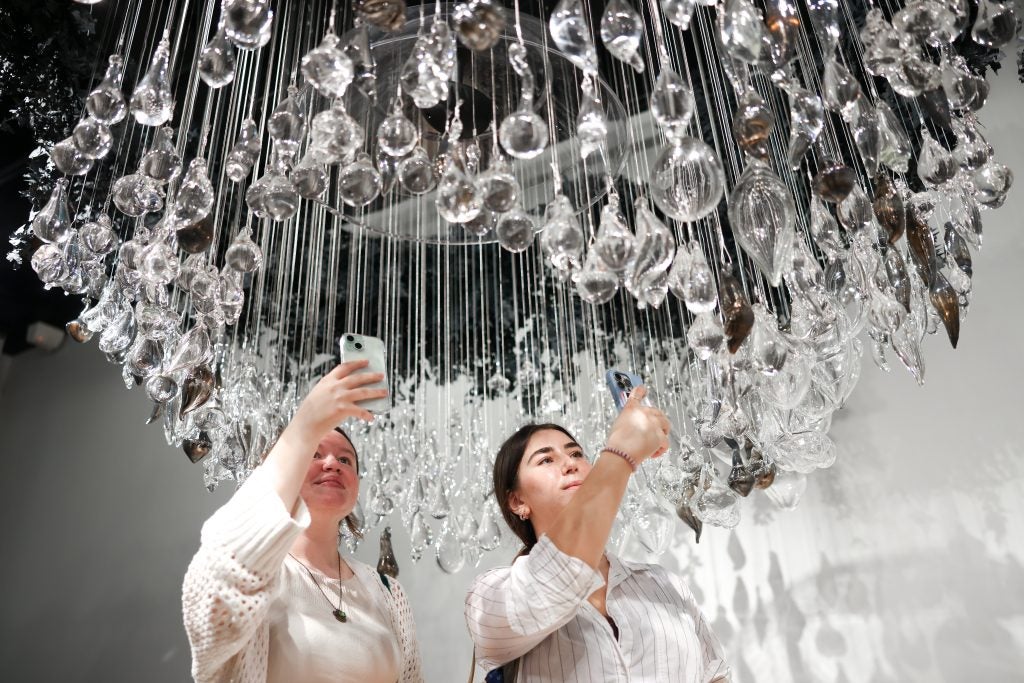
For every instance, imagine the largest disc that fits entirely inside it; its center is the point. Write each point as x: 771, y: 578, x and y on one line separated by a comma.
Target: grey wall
x: 904, y: 562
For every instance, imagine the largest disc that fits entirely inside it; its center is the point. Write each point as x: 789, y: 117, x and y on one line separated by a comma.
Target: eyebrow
x: 548, y: 449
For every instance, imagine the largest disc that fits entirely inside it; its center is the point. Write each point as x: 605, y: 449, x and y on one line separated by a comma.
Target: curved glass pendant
x: 152, y: 104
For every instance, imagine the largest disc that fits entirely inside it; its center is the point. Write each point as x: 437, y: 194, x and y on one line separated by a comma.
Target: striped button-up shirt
x: 537, y: 610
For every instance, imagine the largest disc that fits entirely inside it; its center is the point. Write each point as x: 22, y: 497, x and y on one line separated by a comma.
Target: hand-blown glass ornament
x: 515, y: 230
x: 106, y: 101
x: 217, y: 61
x: 327, y: 68
x: 386, y: 14
x: 762, y: 215
x: 359, y: 183
x: 397, y: 135
x: 92, y: 138
x: 523, y: 133
x: 687, y: 180
x: 248, y: 23
x: 195, y: 195
x: 53, y: 222
x: 152, y: 104
x: 479, y: 23
x: 68, y: 159
x: 244, y: 152
x: 571, y: 34
x: 161, y: 162
x: 621, y: 30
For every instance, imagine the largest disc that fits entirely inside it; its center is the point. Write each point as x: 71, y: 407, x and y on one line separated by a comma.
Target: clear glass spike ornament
x: 806, y: 120
x: 106, y: 102
x: 217, y: 61
x: 672, y: 103
x: 591, y: 123
x: 568, y: 27
x: 621, y: 31
x: 742, y: 30
x: 152, y: 103
x: 523, y: 133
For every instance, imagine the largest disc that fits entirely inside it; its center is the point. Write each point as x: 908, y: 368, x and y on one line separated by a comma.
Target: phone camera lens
x: 358, y: 345
x: 350, y: 337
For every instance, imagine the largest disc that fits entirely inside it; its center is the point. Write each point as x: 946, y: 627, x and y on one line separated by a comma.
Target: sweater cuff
x: 255, y: 526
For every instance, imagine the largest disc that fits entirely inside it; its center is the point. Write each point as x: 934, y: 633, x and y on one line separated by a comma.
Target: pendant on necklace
x: 340, y: 616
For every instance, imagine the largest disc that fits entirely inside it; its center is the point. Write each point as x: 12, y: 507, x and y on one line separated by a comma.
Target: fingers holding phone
x: 365, y: 356
x: 338, y: 396
x: 641, y: 425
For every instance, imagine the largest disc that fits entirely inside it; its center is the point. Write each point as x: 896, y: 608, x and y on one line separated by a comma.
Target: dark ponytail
x: 506, y: 479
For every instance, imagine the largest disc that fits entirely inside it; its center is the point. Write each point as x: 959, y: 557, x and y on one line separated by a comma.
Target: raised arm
x: 229, y: 583
x: 331, y: 401
x: 583, y: 527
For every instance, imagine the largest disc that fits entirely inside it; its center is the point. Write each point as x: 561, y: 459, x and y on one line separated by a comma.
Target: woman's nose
x: 331, y: 462
x: 570, y: 465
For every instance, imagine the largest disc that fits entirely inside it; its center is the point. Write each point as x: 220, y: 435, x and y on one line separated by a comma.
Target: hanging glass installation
x: 733, y: 197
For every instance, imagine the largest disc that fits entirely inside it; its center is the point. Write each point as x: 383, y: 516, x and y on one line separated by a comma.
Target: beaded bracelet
x: 622, y: 454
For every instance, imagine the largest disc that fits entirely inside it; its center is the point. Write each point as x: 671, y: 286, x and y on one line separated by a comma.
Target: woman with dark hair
x: 268, y: 596
x: 566, y: 610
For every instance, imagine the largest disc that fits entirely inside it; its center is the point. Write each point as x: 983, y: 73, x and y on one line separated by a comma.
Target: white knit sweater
x: 235, y: 576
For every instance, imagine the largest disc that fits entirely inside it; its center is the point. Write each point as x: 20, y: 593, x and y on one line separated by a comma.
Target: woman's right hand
x: 641, y: 431
x: 335, y: 397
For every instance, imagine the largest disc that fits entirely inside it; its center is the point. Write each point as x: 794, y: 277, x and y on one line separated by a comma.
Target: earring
x: 523, y: 517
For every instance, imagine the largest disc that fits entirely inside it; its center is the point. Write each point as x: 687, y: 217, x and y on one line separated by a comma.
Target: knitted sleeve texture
x: 233, y: 578
x: 411, y: 666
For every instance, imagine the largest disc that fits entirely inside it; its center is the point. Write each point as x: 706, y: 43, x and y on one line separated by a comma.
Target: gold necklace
x: 338, y: 612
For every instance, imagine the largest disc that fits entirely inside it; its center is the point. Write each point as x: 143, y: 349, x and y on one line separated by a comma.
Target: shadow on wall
x: 911, y: 617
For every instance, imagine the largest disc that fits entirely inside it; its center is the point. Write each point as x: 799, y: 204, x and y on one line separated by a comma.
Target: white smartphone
x: 360, y: 347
